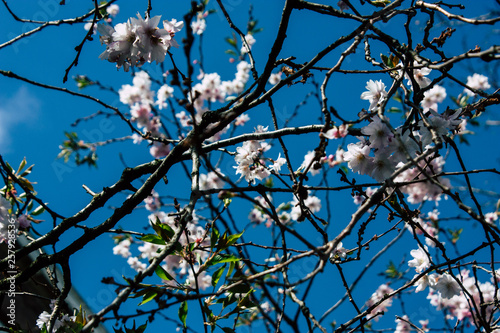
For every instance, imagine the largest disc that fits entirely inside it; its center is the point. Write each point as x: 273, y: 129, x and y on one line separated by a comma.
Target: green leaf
x: 217, y: 274
x: 228, y: 330
x: 393, y: 201
x: 231, y: 52
x: 394, y: 60
x: 163, y: 230
x: 231, y: 41
x: 21, y: 166
x: 139, y: 329
x: 163, y: 274
x: 269, y: 182
x: 227, y: 201
x: 183, y: 310
x: 37, y: 211
x: 245, y: 302
x: 142, y: 328
x: 233, y: 238
x: 397, y: 97
x: 241, y: 288
x: 386, y: 60
x: 455, y: 234
x: 228, y: 300
x: 392, y: 271
x: 26, y: 183
x: 150, y: 238
x: 221, y: 244
x: 394, y: 110
x: 214, y: 237
x: 230, y: 270
x: 9, y: 167
x: 150, y: 295
x: 222, y: 258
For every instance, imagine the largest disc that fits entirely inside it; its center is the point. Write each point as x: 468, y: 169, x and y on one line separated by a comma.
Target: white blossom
x: 478, y: 82
x: 376, y: 93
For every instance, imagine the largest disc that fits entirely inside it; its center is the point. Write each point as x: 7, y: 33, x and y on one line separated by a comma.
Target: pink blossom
x: 357, y: 158
x: 336, y: 132
x: 241, y: 120
x: 159, y: 150
x: 381, y: 291
x: 275, y: 78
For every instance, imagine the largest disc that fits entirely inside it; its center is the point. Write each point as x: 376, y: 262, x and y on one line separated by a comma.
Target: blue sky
x: 33, y: 121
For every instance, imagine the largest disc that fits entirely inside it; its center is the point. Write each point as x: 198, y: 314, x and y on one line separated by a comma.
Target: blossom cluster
x: 384, y: 149
x: 138, y: 41
x: 61, y: 322
x: 212, y: 89
x: 458, y: 305
x: 377, y: 296
x: 446, y: 293
x: 250, y: 161
x: 140, y: 98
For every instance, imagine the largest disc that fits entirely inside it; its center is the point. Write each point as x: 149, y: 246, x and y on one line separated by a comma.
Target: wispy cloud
x: 21, y: 108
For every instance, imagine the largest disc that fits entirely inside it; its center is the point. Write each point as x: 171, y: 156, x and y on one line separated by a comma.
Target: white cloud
x: 20, y: 109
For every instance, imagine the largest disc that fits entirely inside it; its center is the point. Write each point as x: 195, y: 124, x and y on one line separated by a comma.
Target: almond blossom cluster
x: 425, y: 189
x: 138, y: 41
x: 200, y: 24
x: 140, y: 98
x: 378, y: 295
x: 63, y: 320
x: 250, y: 161
x: 384, y: 149
x: 459, y: 304
x: 212, y: 89
x: 446, y: 293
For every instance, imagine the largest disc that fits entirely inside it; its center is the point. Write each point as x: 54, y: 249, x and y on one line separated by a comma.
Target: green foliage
x: 84, y: 152
x: 455, y: 234
x: 217, y: 275
x: 183, y: 311
x: 163, y: 274
x: 163, y: 230
x: 154, y: 239
x: 392, y: 272
x: 83, y: 81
